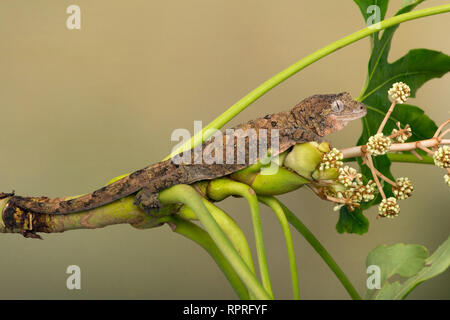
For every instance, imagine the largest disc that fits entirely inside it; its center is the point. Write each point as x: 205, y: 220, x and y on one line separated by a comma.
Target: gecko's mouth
x: 350, y: 117
x: 356, y: 114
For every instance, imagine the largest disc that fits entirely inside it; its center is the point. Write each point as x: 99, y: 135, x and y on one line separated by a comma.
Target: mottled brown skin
x: 311, y: 119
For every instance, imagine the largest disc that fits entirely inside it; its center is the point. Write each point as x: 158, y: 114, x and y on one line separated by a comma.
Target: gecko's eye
x: 337, y: 106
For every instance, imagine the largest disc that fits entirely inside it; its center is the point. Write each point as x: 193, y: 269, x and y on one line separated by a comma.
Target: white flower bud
x: 447, y: 179
x: 379, y: 144
x: 331, y: 160
x: 349, y: 177
x: 388, y: 208
x: 442, y: 157
x: 399, y: 92
x: 404, y: 188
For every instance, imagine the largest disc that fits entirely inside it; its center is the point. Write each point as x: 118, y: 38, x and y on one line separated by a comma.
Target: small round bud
x: 447, y: 179
x: 388, y: 208
x: 351, y: 199
x: 402, y: 135
x: 349, y: 177
x: 442, y: 157
x: 366, y: 193
x: 304, y: 158
x: 404, y: 188
x: 331, y: 160
x: 399, y: 92
x: 379, y: 144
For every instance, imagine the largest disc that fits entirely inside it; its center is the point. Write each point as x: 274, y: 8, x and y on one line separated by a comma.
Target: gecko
x: 310, y: 120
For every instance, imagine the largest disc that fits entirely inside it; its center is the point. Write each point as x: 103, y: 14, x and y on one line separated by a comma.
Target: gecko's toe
x: 149, y: 202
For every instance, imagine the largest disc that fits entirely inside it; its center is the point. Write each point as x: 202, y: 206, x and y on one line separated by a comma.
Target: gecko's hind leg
x: 148, y: 200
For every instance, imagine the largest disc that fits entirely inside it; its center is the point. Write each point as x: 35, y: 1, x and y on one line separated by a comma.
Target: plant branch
x: 229, y: 227
x: 410, y: 158
x: 202, y: 238
x: 279, y: 212
x: 251, y: 97
x: 219, y: 189
x: 397, y: 147
x: 187, y: 195
x: 117, y: 212
x: 320, y: 249
x: 369, y: 163
x: 388, y: 114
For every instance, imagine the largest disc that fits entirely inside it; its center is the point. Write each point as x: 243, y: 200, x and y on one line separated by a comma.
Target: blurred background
x: 79, y: 107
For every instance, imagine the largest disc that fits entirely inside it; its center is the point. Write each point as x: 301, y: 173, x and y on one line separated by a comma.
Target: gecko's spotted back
x: 311, y: 119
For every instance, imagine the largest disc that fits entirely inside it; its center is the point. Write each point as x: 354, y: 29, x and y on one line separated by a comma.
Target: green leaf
x: 410, y: 261
x: 367, y: 12
x: 364, y: 4
x: 352, y: 221
x: 415, y: 68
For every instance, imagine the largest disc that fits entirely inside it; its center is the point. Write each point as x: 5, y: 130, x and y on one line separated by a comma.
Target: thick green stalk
x: 243, y: 103
x: 187, y: 195
x: 219, y: 189
x: 323, y: 253
x: 201, y: 237
x: 402, y: 157
x: 278, y: 210
x: 229, y: 226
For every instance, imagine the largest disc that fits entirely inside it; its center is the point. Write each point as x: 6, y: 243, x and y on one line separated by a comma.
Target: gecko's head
x: 327, y: 113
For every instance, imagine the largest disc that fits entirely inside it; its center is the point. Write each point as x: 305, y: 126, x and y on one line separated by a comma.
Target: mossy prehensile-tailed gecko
x: 310, y: 120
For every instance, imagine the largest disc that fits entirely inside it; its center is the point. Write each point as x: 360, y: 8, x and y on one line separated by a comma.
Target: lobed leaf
x: 352, y: 221
x: 410, y: 261
x: 415, y: 68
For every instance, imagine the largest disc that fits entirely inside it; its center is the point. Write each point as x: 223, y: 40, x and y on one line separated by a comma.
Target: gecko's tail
x: 100, y: 197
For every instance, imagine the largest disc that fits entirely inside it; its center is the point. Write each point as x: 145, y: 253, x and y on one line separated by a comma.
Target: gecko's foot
x: 4, y: 195
x: 148, y: 201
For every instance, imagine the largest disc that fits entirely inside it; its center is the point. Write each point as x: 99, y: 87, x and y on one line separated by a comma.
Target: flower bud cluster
x: 404, y: 188
x: 401, y: 135
x: 366, y: 192
x: 399, y: 92
x: 331, y: 159
x: 388, y: 208
x: 349, y: 177
x: 379, y: 144
x: 442, y: 157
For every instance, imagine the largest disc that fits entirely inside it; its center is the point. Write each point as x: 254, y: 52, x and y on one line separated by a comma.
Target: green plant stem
x: 243, y: 103
x: 201, y: 237
x: 229, y: 226
x: 402, y: 157
x: 224, y: 187
x: 323, y: 253
x: 278, y: 210
x: 187, y: 195
x: 234, y: 233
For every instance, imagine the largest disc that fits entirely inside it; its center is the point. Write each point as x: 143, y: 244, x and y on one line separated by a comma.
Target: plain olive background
x: 78, y: 107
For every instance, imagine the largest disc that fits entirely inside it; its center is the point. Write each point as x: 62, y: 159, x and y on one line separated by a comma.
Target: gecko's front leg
x: 148, y: 200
